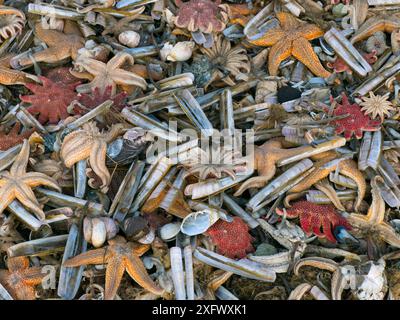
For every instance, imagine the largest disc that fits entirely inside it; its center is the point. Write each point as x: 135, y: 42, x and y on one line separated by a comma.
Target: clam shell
x: 129, y: 38
x: 99, y: 232
x: 169, y: 231
x: 198, y: 222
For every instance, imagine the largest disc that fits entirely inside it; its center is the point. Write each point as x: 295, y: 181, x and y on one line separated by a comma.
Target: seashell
x: 99, y: 233
x: 136, y: 228
x: 97, y: 230
x: 94, y: 51
x: 265, y: 89
x: 169, y: 231
x: 199, y: 221
x: 377, y: 43
x: 129, y: 38
x: 182, y: 51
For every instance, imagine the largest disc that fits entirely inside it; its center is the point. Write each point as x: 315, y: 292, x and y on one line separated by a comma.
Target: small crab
x: 356, y: 121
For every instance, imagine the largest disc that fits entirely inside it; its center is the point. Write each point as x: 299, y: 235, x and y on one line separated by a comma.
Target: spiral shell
x: 129, y: 38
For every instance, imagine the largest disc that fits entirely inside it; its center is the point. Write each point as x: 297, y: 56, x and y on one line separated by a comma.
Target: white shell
x: 99, y: 233
x: 198, y: 222
x: 148, y: 238
x: 87, y: 229
x: 169, y: 231
x: 182, y: 51
x: 129, y: 38
x: 111, y: 227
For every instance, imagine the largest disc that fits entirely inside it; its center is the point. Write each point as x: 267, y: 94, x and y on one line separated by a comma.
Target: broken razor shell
x: 39, y: 247
x: 244, y: 267
x: 347, y: 52
x: 370, y: 151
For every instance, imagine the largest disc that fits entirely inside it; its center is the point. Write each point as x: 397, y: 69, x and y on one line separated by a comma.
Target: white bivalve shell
x: 97, y: 230
x: 169, y: 231
x: 129, y: 38
x: 182, y: 51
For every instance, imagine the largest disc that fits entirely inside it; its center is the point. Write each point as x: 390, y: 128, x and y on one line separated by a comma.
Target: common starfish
x: 292, y: 39
x: 13, y: 137
x: 380, y: 22
x: 313, y: 217
x: 61, y: 45
x: 89, y: 142
x: 110, y: 73
x: 18, y: 184
x: 347, y: 167
x: 10, y: 76
x: 119, y: 256
x: 374, y: 222
x: 20, y: 280
x: 265, y: 158
x: 356, y: 121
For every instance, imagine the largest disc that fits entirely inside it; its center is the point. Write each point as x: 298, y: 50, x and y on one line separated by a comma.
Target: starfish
x: 61, y: 45
x: 89, y: 142
x: 10, y: 76
x: 292, y: 39
x: 119, y: 256
x: 20, y: 280
x: 381, y: 22
x: 347, y: 167
x: 18, y: 184
x: 265, y: 158
x: 373, y: 222
x: 110, y: 73
x: 313, y: 217
x: 13, y: 137
x: 11, y: 23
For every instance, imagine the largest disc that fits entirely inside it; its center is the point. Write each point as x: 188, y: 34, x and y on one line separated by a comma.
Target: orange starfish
x: 9, y: 76
x: 20, y: 280
x: 346, y: 167
x: 119, y: 256
x: 292, y: 39
x: 61, y: 45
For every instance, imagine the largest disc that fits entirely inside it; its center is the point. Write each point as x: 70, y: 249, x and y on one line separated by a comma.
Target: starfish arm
x: 349, y: 168
x: 11, y: 77
x: 270, y: 38
x: 287, y: 20
x: 330, y: 192
x: 71, y: 145
x: 21, y: 161
x: 128, y: 78
x: 376, y: 212
x: 52, y: 54
x: 34, y: 179
x: 26, y: 196
x: 279, y: 52
x: 96, y: 256
x: 389, y: 234
x: 120, y: 59
x: 311, y: 31
x: 17, y: 263
x: 317, y: 262
x: 358, y: 220
x: 92, y: 66
x: 33, y: 276
x: 7, y: 195
x: 315, y: 176
x: 98, y: 161
x: 80, y: 152
x: 255, y: 182
x: 137, y: 271
x: 303, y: 51
x: 114, y: 272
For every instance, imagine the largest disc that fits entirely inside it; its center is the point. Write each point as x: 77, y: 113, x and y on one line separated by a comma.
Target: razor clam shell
x: 188, y: 256
x: 387, y: 171
x: 38, y: 247
x: 207, y: 188
x: 193, y: 111
x: 341, y: 180
x: 224, y: 294
x: 25, y: 216
x: 80, y: 179
x: 279, y: 262
x: 238, y: 211
x: 132, y: 3
x: 347, y: 52
x: 141, y: 52
x: 172, y: 151
x: 370, y: 151
x: 149, y: 181
x: 157, y: 128
x: 260, y: 23
x: 279, y: 183
x: 101, y: 108
x: 177, y: 273
x: 4, y: 295
x: 199, y: 206
x: 59, y: 199
x: 178, y: 81
x: 70, y: 277
x: 50, y: 10
x: 126, y: 191
x: 318, y: 294
x: 334, y: 143
x: 382, y: 2
x: 7, y: 157
x: 319, y: 197
x: 226, y: 112
x: 270, y: 230
x: 244, y: 267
